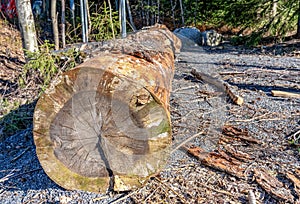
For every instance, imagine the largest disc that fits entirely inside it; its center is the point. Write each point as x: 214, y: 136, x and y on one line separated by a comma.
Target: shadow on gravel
x: 266, y: 89
x: 267, y: 67
x: 19, y: 165
x: 244, y: 66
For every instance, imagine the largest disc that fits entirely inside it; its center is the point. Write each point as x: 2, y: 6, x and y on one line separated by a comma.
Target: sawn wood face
x: 108, y: 119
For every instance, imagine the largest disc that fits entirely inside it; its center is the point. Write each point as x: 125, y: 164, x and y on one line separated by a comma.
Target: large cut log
x: 106, y: 123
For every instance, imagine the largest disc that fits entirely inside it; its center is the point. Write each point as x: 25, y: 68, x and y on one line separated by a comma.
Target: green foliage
x: 256, y: 18
x: 295, y: 143
x: 254, y: 39
x: 44, y: 65
x: 104, y: 27
x: 41, y: 64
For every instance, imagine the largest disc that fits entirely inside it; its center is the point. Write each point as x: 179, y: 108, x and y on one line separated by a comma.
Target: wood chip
x: 219, y: 161
x: 271, y: 184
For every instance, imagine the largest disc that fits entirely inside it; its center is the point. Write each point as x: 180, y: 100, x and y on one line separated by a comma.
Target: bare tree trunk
x: 54, y: 24
x: 122, y: 15
x: 181, y: 12
x: 130, y: 16
x: 195, y: 13
x: 89, y: 24
x: 111, y: 20
x: 72, y: 8
x: 274, y: 8
x: 27, y: 25
x: 84, y: 20
x: 63, y: 29
x: 148, y: 14
x: 298, y: 24
x: 158, y: 11
x: 173, y: 15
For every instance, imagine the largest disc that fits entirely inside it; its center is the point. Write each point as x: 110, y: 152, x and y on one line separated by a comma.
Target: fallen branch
x: 285, y: 94
x: 235, y: 98
x: 186, y: 141
x: 232, y: 73
x: 221, y: 86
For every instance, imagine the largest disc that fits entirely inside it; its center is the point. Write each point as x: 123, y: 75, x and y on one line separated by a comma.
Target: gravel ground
x: 271, y: 120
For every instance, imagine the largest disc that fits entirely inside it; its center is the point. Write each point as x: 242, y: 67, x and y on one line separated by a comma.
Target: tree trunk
x: 84, y: 20
x: 274, y: 8
x: 27, y: 26
x: 158, y: 12
x: 63, y: 23
x: 173, y: 13
x: 111, y: 20
x: 181, y: 12
x: 298, y: 24
x: 54, y: 24
x: 122, y: 11
x: 106, y: 123
x: 130, y: 16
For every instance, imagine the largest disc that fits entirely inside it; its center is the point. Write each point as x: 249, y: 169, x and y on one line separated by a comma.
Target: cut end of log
x: 106, y: 124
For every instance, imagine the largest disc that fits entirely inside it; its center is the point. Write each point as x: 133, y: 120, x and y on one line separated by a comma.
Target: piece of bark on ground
x: 271, y: 184
x: 242, y: 156
x: 296, y: 181
x: 242, y: 134
x: 218, y: 160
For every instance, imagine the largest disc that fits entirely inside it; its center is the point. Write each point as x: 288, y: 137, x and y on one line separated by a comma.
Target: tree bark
x: 54, y: 24
x: 63, y: 23
x: 298, y: 23
x: 122, y: 11
x: 274, y: 8
x: 181, y: 12
x: 111, y: 20
x: 106, y: 123
x: 27, y: 25
x: 173, y: 13
x: 130, y: 16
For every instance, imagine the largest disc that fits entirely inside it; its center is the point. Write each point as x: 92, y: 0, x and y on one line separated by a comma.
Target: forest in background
x: 247, y: 21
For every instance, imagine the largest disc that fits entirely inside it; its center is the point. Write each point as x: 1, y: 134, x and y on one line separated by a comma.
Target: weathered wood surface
x: 106, y: 123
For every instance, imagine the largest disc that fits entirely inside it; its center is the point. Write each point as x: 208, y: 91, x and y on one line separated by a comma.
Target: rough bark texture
x: 106, y: 123
x: 298, y: 23
x: 27, y: 26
